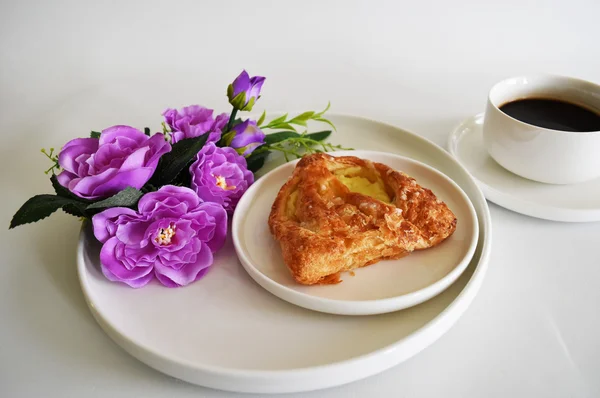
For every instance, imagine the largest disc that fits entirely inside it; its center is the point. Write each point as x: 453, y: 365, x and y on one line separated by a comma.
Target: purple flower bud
x: 245, y: 91
x: 246, y: 137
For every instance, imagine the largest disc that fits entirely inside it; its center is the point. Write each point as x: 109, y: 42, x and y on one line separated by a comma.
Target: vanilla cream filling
x: 359, y: 184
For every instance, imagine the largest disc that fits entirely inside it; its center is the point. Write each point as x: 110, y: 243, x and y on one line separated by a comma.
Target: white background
x: 67, y: 67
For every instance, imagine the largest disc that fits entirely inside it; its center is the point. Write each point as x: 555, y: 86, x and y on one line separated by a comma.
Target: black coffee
x: 553, y: 114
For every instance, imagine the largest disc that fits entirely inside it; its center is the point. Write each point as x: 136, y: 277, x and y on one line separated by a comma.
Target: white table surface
x: 71, y: 66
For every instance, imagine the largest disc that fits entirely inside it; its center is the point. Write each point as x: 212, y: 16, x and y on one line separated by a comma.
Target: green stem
x: 285, y: 151
x: 231, y: 119
x: 294, y: 145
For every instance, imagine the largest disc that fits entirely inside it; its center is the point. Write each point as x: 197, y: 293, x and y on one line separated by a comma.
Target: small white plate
x: 572, y: 203
x: 386, y: 286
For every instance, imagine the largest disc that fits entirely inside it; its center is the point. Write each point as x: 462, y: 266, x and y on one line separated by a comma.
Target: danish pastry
x: 335, y: 214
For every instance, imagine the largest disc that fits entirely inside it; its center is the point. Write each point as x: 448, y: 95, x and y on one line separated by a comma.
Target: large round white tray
x: 226, y: 332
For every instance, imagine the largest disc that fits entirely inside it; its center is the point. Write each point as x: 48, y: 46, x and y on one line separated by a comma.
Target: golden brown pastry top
x: 325, y: 225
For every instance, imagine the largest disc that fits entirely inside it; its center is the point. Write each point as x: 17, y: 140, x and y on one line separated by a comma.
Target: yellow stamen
x: 165, y: 235
x: 222, y: 183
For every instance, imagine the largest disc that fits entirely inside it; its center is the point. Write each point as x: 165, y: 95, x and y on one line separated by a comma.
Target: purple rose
x: 245, y: 91
x: 172, y: 236
x: 220, y: 175
x: 246, y: 137
x: 122, y: 157
x: 194, y: 121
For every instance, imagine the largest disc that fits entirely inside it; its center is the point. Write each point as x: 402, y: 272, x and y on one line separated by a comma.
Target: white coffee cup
x: 538, y: 153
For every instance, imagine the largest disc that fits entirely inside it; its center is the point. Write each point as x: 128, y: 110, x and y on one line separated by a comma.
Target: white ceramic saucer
x: 573, y: 203
x: 387, y: 286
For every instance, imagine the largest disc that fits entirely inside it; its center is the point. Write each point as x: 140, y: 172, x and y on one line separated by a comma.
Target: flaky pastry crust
x: 324, y: 228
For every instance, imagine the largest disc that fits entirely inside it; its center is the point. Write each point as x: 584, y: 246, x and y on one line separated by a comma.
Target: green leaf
x: 304, y: 116
x: 222, y: 141
x: 238, y: 101
x: 324, y: 110
x: 278, y: 120
x: 40, y: 207
x: 248, y: 107
x: 59, y: 189
x: 262, y: 118
x: 147, y: 131
x: 75, y: 211
x: 298, y: 122
x: 172, y: 163
x: 94, y: 134
x: 182, y: 180
x: 323, y: 120
x: 319, y: 136
x: 279, y: 136
x: 257, y: 160
x: 285, y: 126
x: 227, y: 138
x: 126, y: 198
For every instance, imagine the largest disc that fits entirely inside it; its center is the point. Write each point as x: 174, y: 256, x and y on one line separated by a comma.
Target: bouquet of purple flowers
x: 159, y: 203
